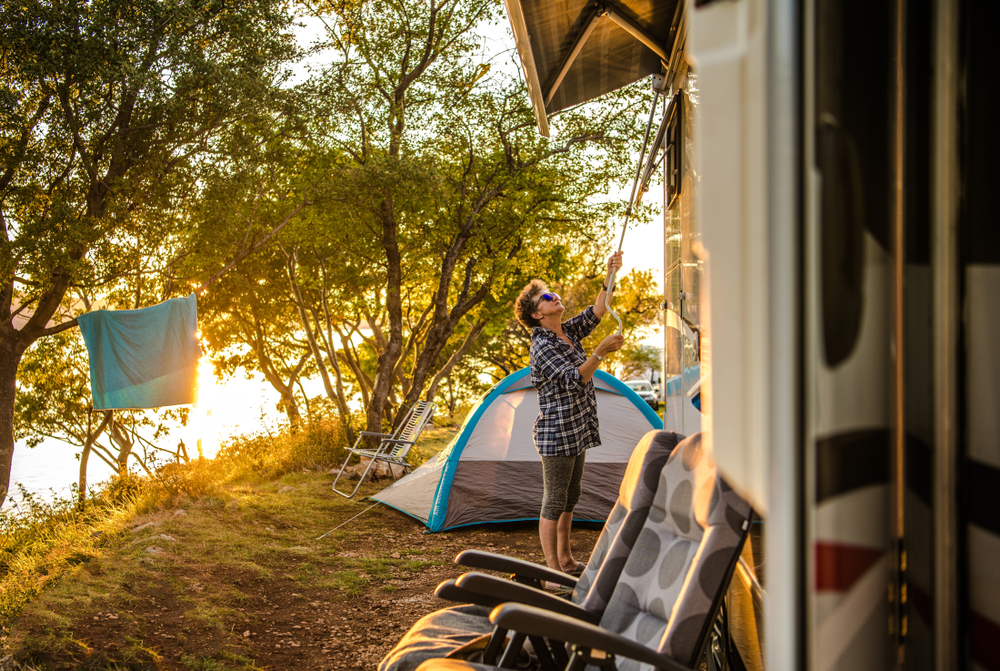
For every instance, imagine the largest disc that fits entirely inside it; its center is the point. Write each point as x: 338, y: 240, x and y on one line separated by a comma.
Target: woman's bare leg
x: 564, y: 550
x: 548, y: 533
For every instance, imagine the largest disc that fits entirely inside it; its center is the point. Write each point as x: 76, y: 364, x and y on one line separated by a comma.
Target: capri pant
x: 561, y: 478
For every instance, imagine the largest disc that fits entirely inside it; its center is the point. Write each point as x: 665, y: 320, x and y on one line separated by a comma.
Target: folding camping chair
x: 392, y: 448
x: 667, y: 595
x: 446, y: 630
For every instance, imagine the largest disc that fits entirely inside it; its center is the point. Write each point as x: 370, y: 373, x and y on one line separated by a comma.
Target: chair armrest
x: 446, y: 664
x: 449, y: 591
x: 522, y: 569
x: 537, y: 622
x: 372, y: 433
x: 491, y: 591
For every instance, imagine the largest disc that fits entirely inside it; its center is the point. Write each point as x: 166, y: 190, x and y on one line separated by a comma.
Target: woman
x: 566, y: 426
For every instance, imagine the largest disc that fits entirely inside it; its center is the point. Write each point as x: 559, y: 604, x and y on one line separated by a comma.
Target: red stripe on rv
x: 984, y: 634
x: 838, y: 566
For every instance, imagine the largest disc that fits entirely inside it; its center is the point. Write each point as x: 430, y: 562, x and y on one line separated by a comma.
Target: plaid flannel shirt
x: 567, y: 406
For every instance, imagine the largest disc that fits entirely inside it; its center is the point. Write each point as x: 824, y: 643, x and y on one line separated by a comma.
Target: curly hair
x: 524, y: 306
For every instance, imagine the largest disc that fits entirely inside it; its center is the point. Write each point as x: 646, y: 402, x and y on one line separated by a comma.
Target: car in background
x: 646, y: 392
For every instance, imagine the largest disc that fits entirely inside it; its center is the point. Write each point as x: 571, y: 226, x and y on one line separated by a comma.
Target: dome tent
x: 491, y: 472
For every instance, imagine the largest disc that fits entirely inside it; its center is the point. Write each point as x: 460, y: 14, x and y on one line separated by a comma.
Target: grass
x: 173, y: 566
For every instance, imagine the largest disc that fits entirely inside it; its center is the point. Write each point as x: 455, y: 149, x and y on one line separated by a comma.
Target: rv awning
x: 576, y: 50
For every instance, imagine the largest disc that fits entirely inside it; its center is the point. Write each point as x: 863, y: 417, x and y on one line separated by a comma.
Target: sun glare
x: 223, y: 409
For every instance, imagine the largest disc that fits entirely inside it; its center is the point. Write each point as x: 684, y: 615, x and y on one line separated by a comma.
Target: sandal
x: 577, y: 570
x: 549, y: 586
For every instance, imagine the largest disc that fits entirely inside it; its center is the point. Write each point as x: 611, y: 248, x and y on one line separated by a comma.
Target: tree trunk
x: 337, y: 394
x: 445, y: 371
x: 81, y: 492
x: 11, y: 349
x: 88, y: 445
x: 124, y: 443
x: 394, y: 306
x: 292, y: 411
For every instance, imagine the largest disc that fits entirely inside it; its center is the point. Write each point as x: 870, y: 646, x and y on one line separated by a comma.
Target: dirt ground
x: 243, y: 583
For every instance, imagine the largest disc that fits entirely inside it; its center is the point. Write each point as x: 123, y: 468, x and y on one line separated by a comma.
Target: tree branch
x: 254, y: 247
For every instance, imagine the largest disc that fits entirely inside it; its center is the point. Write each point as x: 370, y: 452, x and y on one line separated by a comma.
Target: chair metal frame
x: 392, y: 447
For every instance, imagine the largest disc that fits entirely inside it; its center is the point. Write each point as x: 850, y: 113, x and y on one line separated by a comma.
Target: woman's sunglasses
x: 546, y: 297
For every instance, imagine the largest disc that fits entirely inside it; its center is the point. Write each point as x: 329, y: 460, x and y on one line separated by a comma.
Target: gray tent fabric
x: 444, y: 631
x: 491, y: 472
x: 143, y: 358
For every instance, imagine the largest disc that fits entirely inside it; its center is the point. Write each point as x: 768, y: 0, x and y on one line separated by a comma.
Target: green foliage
x: 53, y: 398
x: 110, y: 112
x: 40, y: 539
x: 319, y: 444
x: 432, y: 201
x: 376, y: 221
x: 115, y: 106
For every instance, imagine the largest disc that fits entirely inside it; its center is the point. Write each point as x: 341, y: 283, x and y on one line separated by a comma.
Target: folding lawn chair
x: 467, y: 628
x: 661, y: 612
x: 392, y: 448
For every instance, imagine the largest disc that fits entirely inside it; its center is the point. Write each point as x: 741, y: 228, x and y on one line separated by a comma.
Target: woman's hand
x: 600, y: 303
x: 614, y: 263
x: 612, y: 343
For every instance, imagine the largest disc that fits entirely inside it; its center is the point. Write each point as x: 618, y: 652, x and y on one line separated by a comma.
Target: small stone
x: 145, y: 526
x: 154, y: 550
x: 180, y: 512
x: 246, y: 634
x: 395, y: 555
x: 286, y: 488
x: 166, y: 537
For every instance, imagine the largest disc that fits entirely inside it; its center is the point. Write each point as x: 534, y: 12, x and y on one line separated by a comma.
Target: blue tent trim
x: 439, y: 509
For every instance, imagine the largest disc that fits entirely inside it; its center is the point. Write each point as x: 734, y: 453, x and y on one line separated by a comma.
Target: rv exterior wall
x: 727, y: 45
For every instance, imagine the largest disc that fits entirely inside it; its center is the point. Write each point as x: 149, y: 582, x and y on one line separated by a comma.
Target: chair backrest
x: 680, y: 566
x: 411, y: 427
x: 635, y: 496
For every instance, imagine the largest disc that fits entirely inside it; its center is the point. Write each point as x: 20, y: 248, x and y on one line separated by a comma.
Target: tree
x: 449, y: 179
x: 108, y: 108
x: 246, y: 321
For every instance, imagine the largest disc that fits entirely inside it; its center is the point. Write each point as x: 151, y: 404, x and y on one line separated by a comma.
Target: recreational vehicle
x: 832, y: 274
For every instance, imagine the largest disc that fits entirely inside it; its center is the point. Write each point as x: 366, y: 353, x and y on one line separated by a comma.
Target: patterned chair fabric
x: 683, y: 558
x: 441, y: 632
x: 635, y: 497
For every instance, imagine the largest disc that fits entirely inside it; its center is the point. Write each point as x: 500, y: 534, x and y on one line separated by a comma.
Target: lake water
x: 236, y: 405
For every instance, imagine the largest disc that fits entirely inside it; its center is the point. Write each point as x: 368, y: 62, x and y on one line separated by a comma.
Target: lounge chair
x: 661, y: 612
x: 392, y: 448
x: 467, y: 628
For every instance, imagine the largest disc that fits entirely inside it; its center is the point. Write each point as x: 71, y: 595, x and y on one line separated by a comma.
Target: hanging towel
x: 143, y: 358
